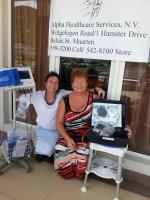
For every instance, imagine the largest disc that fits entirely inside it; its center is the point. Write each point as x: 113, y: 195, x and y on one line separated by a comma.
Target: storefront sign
x: 100, y: 29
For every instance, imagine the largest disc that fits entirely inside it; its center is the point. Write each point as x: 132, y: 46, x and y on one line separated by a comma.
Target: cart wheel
x: 116, y: 198
x: 5, y: 165
x: 29, y: 170
x: 25, y: 165
x: 83, y: 189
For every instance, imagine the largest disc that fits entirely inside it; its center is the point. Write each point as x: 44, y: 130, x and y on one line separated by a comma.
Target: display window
x: 136, y: 90
x: 98, y: 71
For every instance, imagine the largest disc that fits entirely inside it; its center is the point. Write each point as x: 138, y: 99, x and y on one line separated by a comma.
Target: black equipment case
x: 108, y: 123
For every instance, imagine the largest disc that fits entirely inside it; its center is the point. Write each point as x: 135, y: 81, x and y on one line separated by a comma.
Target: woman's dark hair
x: 52, y: 74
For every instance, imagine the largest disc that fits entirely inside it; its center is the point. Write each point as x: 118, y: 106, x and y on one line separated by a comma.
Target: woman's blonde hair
x: 79, y: 72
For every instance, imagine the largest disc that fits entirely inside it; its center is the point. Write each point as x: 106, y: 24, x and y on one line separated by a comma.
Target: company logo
x: 91, y: 8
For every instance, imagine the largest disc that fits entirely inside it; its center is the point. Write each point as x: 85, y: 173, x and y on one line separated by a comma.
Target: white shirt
x: 46, y: 114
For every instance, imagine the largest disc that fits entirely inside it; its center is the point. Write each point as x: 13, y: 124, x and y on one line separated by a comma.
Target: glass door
x: 136, y: 90
x: 30, y: 23
x: 24, y: 33
x: 24, y: 22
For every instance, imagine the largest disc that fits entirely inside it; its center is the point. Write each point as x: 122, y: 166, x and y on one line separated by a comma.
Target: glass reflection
x: 98, y: 71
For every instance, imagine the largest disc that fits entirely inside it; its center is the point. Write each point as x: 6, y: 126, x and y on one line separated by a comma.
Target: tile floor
x: 44, y: 184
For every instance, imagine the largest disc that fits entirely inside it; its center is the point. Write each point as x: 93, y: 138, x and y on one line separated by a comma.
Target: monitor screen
x: 108, y: 113
x: 24, y: 74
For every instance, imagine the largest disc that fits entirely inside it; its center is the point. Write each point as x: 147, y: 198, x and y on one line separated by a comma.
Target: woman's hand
x: 127, y: 128
x: 71, y: 143
x: 100, y: 91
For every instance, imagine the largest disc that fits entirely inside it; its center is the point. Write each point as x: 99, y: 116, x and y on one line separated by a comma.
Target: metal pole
x: 14, y: 110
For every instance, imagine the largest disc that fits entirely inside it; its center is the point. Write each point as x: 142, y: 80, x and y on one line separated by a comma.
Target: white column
x: 115, y: 80
x: 54, y: 62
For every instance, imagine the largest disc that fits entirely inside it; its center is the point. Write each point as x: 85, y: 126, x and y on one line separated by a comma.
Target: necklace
x: 50, y: 103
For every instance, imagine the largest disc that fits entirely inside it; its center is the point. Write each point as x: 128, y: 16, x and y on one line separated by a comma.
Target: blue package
x: 9, y: 77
